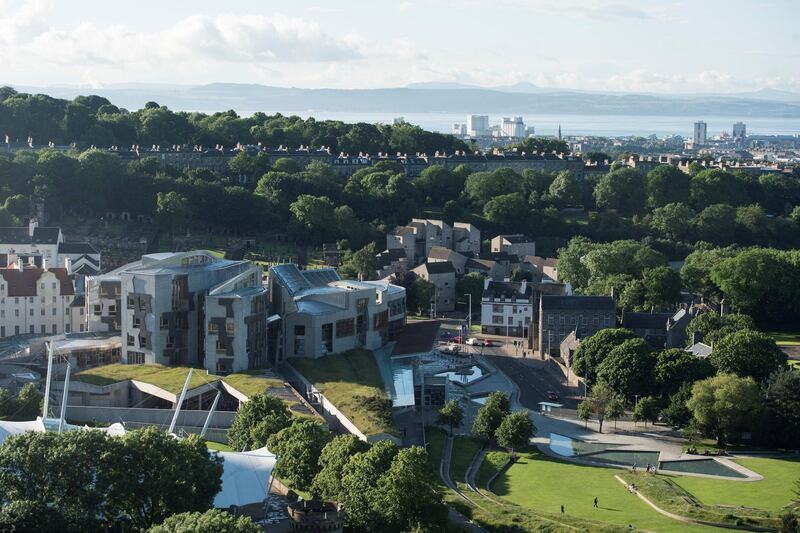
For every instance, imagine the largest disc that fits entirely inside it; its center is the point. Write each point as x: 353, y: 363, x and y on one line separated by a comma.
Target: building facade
x: 699, y: 135
x: 560, y: 315
x: 516, y: 244
x: 506, y: 308
x: 442, y: 275
x: 45, y: 247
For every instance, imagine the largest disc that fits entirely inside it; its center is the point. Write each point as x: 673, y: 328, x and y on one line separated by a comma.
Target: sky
x: 661, y: 46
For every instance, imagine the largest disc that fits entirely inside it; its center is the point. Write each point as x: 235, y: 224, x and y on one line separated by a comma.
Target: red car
x: 487, y: 343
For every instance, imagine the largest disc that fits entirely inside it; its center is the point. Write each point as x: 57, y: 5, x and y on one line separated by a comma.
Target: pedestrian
x: 562, y: 509
x: 595, y: 502
x: 633, y: 468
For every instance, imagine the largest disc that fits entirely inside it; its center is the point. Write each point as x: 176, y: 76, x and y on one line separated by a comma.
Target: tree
x: 507, y: 211
x: 211, y: 520
x: 451, y: 414
x: 600, y: 400
x: 676, y: 413
x: 712, y: 326
x: 27, y: 516
x: 696, y: 269
x: 714, y: 186
x: 725, y: 404
x: 665, y: 185
x: 621, y: 189
x: 171, y: 208
x: 593, y: 350
x: 662, y: 288
x: 491, y: 415
x: 327, y: 483
x: 298, y: 448
x: 585, y: 412
x: 256, y: 420
x: 439, y: 184
x: 616, y: 409
x: 362, y: 264
x: 673, y: 221
x: 315, y: 214
x: 483, y: 186
x: 360, y: 478
x: 629, y: 368
x: 515, y: 430
x: 748, y: 353
x: 28, y: 404
x: 647, y: 410
x: 406, y: 498
x: 716, y: 223
x: 783, y: 408
x: 676, y: 367
x: 565, y: 189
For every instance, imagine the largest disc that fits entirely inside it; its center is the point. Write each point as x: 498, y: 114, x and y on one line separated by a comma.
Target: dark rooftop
x: 507, y: 289
x: 417, y: 337
x: 578, y: 303
x: 77, y: 248
x: 645, y: 320
x: 516, y: 238
x: 20, y: 235
x: 439, y: 267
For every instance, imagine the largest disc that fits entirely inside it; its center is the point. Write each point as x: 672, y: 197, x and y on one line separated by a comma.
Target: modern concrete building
x: 421, y: 235
x: 38, y: 301
x: 506, y: 308
x: 442, y: 275
x: 699, y: 135
x: 322, y: 314
x: 513, y: 128
x: 546, y: 268
x: 477, y: 125
x: 560, y: 315
x: 439, y: 254
x: 516, y: 244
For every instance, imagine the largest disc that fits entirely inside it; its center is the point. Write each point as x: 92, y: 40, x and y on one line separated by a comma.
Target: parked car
x: 457, y: 339
x: 472, y: 341
x: 552, y: 396
x: 487, y: 343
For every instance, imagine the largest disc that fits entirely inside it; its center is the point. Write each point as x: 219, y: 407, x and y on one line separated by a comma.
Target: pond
x: 701, y: 466
x: 600, y: 452
x: 463, y: 375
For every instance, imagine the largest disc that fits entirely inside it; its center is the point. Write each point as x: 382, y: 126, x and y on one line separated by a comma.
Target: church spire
x: 559, y: 132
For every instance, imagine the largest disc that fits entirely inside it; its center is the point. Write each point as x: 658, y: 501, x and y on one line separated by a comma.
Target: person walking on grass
x: 595, y: 502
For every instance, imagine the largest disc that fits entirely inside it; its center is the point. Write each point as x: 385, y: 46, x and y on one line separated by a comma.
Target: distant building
x: 739, y: 132
x: 506, y: 308
x: 560, y: 315
x: 478, y: 125
x: 45, y: 247
x: 516, y: 244
x: 323, y: 314
x: 513, y: 128
x: 699, y: 135
x: 442, y: 275
x: 459, y: 129
x: 652, y: 327
x: 545, y: 267
x: 440, y: 253
x: 421, y: 235
x: 700, y: 349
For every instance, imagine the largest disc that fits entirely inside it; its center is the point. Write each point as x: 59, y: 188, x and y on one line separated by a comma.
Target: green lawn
x: 786, y: 339
x: 493, y: 462
x: 464, y: 450
x: 771, y: 493
x: 341, y: 378
x: 169, y: 378
x: 544, y: 484
x: 218, y: 446
x: 251, y: 383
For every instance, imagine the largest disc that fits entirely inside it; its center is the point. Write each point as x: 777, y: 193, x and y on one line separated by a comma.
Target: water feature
x: 701, y: 466
x: 599, y: 452
x: 463, y: 375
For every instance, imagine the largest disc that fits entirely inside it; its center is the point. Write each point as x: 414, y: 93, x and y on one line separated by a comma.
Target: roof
x: 77, y: 248
x: 245, y: 477
x: 578, y: 303
x: 699, y: 349
x: 440, y: 252
x: 296, y: 281
x: 417, y: 337
x: 516, y: 238
x: 645, y: 320
x: 23, y: 282
x: 507, y: 289
x: 480, y: 264
x: 21, y: 235
x: 541, y: 262
x: 438, y: 267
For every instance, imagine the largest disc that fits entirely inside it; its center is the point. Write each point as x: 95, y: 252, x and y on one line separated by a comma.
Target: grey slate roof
x: 507, y: 289
x: 41, y: 235
x: 439, y: 267
x: 578, y: 303
x: 77, y: 248
x: 645, y: 320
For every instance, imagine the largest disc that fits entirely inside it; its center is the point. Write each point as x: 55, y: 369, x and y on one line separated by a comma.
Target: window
x: 130, y: 302
x: 164, y: 322
x: 130, y: 341
x: 220, y: 347
x: 81, y: 311
x: 16, y: 312
x: 229, y: 327
x: 112, y: 309
x: 67, y: 329
x: 345, y: 328
x: 41, y: 311
x: 137, y: 322
x: 54, y: 299
x: 135, y: 358
x: 30, y: 311
x: 54, y: 311
x: 497, y: 308
x: 54, y: 288
x: 171, y: 341
x: 496, y: 319
x: 212, y: 327
x: 511, y: 321
x: 55, y: 330
x: 381, y: 320
x: 98, y: 310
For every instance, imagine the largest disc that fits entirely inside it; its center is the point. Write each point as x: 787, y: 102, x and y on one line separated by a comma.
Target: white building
x: 38, y: 301
x: 506, y: 308
x: 43, y: 246
x: 699, y: 135
x: 513, y: 128
x: 478, y: 125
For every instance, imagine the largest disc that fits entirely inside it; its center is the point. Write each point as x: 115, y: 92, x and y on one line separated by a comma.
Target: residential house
x: 323, y: 314
x: 546, y: 267
x: 45, y: 246
x: 560, y: 315
x: 515, y: 244
x: 466, y: 239
x: 391, y: 262
x: 421, y: 235
x: 506, y: 308
x: 487, y: 268
x: 38, y: 301
x: 652, y: 327
x: 440, y: 254
x: 442, y: 276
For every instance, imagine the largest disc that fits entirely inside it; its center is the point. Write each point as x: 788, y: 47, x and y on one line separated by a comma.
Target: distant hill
x: 524, y: 98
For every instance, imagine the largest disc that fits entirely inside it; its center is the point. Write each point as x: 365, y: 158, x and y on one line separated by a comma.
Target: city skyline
x: 576, y: 45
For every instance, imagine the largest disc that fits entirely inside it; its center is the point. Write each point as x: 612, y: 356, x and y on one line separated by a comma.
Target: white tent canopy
x: 40, y: 425
x: 245, y: 479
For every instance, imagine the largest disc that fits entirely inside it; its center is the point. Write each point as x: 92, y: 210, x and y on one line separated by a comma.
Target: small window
x: 164, y: 323
x: 98, y: 310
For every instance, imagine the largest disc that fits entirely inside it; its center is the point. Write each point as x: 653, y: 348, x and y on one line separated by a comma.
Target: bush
x: 212, y: 520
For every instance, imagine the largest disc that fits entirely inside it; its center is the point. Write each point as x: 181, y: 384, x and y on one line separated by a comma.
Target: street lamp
x: 469, y: 314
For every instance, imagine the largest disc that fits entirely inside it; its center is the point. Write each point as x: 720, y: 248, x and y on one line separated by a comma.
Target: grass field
x: 218, y: 446
x: 786, y: 339
x: 493, y: 462
x: 341, y: 378
x: 464, y: 450
x: 250, y: 382
x: 544, y: 484
x: 169, y: 378
x: 771, y: 493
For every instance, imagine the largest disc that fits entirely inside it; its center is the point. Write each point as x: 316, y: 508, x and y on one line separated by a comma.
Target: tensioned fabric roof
x: 245, y: 478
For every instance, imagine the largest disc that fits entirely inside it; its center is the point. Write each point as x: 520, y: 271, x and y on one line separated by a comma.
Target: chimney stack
x: 33, y: 223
